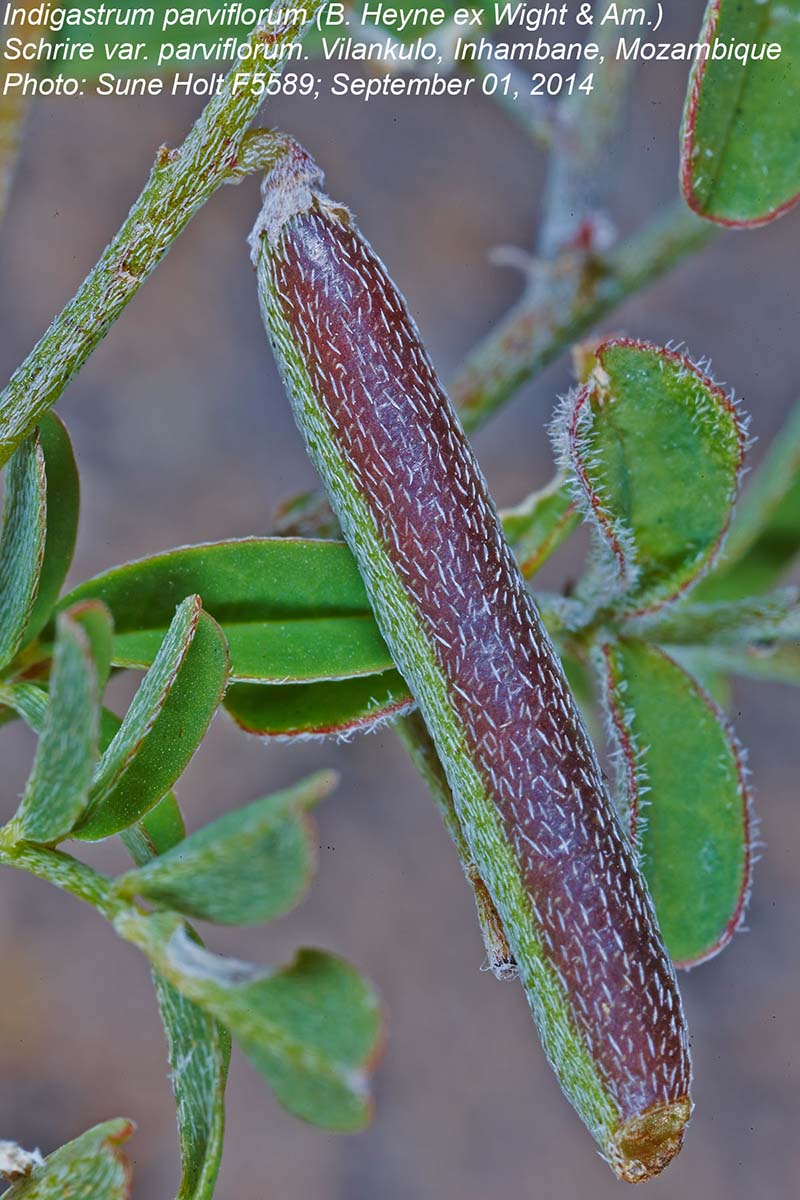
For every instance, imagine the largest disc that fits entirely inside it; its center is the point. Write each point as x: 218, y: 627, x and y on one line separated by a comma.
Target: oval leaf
x: 57, y: 791
x: 251, y: 865
x: 764, y: 537
x: 311, y: 1029
x: 91, y: 1166
x: 656, y: 449
x: 758, y: 620
x: 741, y: 126
x: 22, y: 544
x: 773, y: 663
x: 292, y: 609
x: 319, y: 709
x: 164, y: 725
x: 280, y: 651
x: 694, y: 832
x: 62, y: 506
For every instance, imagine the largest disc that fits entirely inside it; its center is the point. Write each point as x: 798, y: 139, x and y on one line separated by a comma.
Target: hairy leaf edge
x: 621, y: 736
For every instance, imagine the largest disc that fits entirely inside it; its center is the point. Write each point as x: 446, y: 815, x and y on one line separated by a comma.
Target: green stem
x: 538, y: 329
x: 580, y: 171
x: 63, y: 872
x: 180, y: 183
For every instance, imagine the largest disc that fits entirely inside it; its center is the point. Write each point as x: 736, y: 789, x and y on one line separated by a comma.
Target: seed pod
x: 464, y: 632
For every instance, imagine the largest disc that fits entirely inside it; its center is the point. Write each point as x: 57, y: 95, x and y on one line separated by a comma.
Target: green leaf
x: 199, y: 1053
x: 740, y: 159
x: 277, y: 651
x: 164, y: 725
x: 62, y: 507
x: 656, y: 449
x: 90, y: 1168
x: 22, y: 544
x: 762, y: 620
x: 28, y: 701
x: 771, y: 663
x: 312, y: 1029
x: 163, y: 826
x: 538, y: 526
x: 57, y: 791
x: 293, y: 610
x: 318, y: 709
x: 694, y: 833
x: 764, y: 536
x: 251, y: 865
x: 709, y: 674
x: 95, y: 620
x: 199, y: 1048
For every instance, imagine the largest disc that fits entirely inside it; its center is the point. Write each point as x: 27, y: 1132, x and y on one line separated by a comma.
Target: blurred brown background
x: 183, y: 434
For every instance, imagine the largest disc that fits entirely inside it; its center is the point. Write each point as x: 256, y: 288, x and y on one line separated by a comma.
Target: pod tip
x: 645, y: 1144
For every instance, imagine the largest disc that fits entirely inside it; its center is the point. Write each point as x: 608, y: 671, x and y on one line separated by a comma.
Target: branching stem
x: 539, y: 328
x: 180, y: 183
x: 63, y: 871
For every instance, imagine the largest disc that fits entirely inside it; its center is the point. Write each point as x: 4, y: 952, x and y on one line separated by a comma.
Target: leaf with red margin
x: 764, y: 537
x: 694, y: 829
x: 741, y: 127
x: 319, y: 710
x: 656, y: 450
x: 91, y: 1166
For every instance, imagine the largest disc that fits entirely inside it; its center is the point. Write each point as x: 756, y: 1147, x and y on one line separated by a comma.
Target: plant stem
x: 537, y: 329
x: 62, y: 871
x: 179, y: 184
x: 580, y: 170
x: 571, y: 282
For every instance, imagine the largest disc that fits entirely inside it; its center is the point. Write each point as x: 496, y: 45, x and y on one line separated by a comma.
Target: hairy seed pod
x: 463, y: 630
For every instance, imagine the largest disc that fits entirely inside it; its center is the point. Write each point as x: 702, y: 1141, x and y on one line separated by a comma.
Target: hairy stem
x: 537, y: 329
x: 180, y: 183
x: 580, y: 170
x: 62, y: 871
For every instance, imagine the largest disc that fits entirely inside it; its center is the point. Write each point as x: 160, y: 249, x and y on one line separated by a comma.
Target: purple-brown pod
x: 464, y: 632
